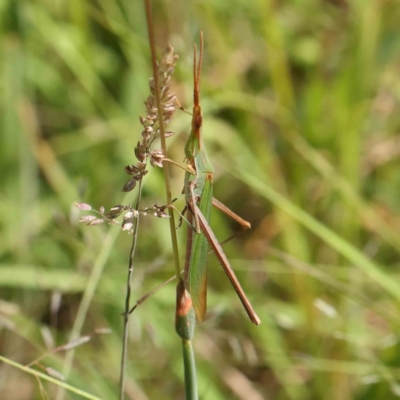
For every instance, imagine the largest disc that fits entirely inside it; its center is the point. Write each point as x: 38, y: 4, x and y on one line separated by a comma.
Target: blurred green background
x: 300, y: 102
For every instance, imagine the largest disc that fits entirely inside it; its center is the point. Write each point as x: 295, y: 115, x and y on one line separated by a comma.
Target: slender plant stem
x: 128, y: 298
x: 48, y: 378
x: 162, y: 136
x: 190, y: 371
x: 87, y: 297
x: 188, y: 355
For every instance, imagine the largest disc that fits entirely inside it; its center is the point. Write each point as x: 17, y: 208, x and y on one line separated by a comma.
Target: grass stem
x: 128, y: 298
x: 162, y: 132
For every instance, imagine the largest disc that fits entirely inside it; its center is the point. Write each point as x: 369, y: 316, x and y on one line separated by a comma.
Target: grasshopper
x: 199, y: 201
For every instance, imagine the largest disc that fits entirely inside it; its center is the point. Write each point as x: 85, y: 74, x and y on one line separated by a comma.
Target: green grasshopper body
x: 199, y: 198
x: 198, y: 186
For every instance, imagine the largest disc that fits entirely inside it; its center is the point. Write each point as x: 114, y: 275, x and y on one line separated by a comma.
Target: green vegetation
x: 300, y: 102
